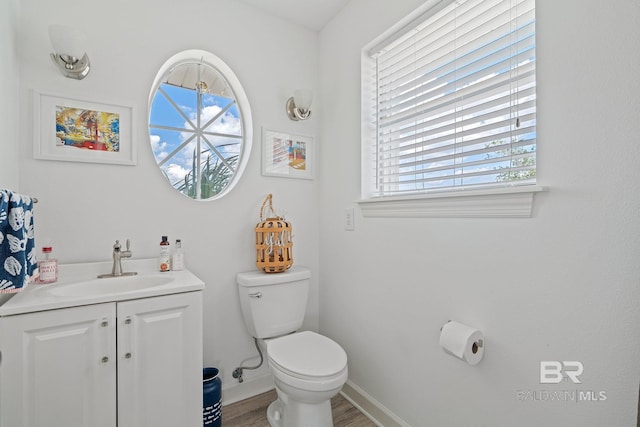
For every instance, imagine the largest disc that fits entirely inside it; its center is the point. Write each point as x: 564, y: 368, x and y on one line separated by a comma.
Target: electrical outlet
x: 349, y: 223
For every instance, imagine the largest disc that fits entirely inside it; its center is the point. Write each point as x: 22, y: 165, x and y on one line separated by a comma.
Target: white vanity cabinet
x: 130, y: 363
x: 58, y: 368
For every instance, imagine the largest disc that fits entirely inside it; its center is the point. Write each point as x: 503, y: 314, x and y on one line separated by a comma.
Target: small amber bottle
x: 165, y: 254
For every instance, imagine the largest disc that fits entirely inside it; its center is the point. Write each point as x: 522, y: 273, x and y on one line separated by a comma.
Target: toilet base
x: 296, y: 414
x: 274, y: 413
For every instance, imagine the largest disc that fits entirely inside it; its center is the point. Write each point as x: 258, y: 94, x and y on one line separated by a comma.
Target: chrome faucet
x: 118, y: 254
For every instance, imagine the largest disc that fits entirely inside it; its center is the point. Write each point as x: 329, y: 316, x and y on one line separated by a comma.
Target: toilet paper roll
x: 462, y: 341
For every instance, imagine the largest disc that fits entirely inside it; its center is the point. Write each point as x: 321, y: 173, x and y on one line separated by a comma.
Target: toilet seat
x: 308, y: 360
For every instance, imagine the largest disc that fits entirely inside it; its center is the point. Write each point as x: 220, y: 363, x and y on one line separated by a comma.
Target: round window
x: 199, y: 125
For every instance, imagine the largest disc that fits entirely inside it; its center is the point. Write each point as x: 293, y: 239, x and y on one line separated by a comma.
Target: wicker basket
x: 273, y: 242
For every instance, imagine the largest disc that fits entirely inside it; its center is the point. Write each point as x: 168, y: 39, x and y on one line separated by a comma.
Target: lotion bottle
x: 165, y: 255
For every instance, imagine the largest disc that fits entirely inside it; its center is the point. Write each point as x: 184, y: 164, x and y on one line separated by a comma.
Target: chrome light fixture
x: 69, y: 45
x: 298, y: 106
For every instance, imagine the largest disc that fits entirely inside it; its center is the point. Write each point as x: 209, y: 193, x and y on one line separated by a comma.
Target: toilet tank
x: 273, y: 304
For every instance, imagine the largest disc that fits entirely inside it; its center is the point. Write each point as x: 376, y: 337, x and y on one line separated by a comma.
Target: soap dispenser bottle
x: 165, y: 254
x: 47, y: 266
x: 177, y: 260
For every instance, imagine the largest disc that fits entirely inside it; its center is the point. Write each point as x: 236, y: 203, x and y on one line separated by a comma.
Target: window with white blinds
x: 453, y: 105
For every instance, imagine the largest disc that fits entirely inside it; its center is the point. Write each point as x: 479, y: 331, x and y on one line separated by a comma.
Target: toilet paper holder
x: 476, y: 346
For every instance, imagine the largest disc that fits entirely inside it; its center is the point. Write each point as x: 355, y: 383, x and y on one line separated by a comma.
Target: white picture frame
x: 287, y: 155
x: 77, y: 130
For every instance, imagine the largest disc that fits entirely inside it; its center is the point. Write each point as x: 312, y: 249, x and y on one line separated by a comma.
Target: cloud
x: 158, y: 146
x: 227, y: 123
x: 175, y: 172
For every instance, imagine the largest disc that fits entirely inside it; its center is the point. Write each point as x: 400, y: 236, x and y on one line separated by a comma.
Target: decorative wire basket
x: 273, y: 242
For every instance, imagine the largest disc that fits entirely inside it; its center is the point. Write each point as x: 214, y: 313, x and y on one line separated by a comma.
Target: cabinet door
x: 58, y: 368
x: 160, y: 361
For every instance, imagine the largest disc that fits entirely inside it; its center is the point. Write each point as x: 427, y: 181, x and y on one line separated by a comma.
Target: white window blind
x: 454, y: 104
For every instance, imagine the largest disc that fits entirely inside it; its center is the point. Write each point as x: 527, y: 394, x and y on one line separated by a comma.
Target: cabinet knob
x: 127, y: 321
x: 104, y: 324
x: 127, y: 356
x: 105, y: 359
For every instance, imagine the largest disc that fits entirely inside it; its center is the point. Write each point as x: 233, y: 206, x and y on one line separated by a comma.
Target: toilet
x: 308, y: 368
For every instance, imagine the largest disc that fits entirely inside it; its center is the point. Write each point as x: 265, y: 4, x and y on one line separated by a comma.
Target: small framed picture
x: 287, y: 155
x: 75, y: 130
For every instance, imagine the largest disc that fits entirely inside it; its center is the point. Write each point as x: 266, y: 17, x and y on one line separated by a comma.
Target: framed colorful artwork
x: 287, y: 155
x: 75, y: 130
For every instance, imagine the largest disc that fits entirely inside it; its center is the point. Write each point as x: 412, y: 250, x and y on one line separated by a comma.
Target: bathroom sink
x: 78, y: 284
x: 110, y: 286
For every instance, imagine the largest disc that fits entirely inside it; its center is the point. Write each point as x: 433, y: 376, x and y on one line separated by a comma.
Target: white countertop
x: 39, y: 297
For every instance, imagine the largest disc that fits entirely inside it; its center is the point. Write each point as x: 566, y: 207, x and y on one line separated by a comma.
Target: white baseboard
x: 248, y: 388
x: 370, y: 407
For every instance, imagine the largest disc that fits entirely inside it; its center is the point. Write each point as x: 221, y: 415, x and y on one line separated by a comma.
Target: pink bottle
x: 48, y: 266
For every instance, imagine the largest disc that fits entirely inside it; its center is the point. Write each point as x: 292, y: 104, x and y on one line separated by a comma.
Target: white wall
x: 562, y: 285
x: 9, y: 13
x: 85, y: 207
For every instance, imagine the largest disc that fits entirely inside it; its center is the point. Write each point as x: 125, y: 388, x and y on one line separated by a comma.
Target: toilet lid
x: 307, y: 353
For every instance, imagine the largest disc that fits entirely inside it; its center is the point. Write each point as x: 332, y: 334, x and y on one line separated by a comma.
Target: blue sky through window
x: 214, y: 129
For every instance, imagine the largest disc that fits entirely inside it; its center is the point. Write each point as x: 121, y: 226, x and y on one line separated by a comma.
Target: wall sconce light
x: 298, y: 106
x: 69, y: 45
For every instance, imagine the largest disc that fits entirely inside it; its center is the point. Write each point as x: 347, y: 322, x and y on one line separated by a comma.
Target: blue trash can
x: 211, y: 398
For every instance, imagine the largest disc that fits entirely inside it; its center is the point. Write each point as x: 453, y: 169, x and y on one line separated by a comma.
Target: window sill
x: 511, y: 202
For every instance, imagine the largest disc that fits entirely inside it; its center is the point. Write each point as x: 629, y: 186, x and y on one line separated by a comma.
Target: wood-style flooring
x: 253, y: 412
